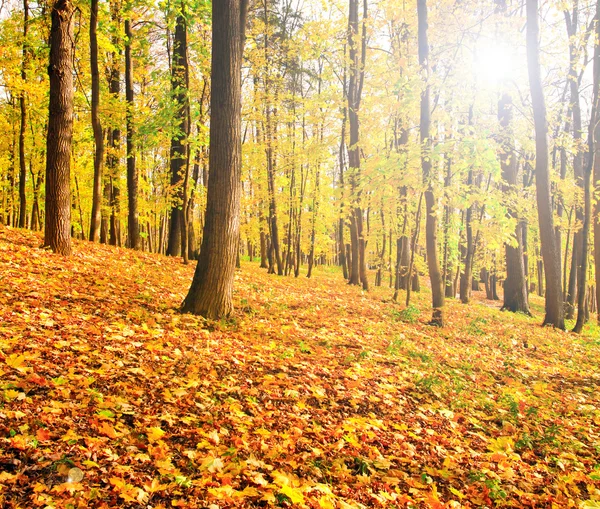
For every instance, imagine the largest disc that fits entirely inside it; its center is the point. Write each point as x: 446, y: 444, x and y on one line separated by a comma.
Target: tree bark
x: 431, y: 222
x: 23, y: 126
x: 269, y: 135
x: 550, y: 251
x: 596, y: 181
x: 60, y: 128
x: 576, y: 269
x: 358, y: 274
x: 96, y: 218
x: 515, y: 285
x: 110, y: 227
x: 133, y: 220
x: 582, y: 310
x: 179, y: 82
x: 342, y: 163
x: 210, y: 294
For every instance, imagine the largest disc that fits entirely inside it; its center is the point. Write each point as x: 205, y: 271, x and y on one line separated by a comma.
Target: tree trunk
x: 431, y: 221
x: 109, y: 230
x: 469, y: 250
x: 515, y: 285
x: 23, y: 126
x: 596, y: 181
x: 273, y: 219
x: 593, y: 130
x: 342, y: 162
x: 60, y: 128
x: 313, y: 233
x: 410, y: 285
x: 96, y: 218
x: 211, y: 291
x: 133, y: 220
x: 357, y: 55
x: 576, y: 269
x: 554, y: 301
x: 179, y: 82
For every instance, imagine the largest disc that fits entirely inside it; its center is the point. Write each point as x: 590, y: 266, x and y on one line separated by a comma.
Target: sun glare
x: 495, y: 63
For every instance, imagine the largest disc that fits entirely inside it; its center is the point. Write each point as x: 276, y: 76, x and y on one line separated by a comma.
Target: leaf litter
x: 314, y: 394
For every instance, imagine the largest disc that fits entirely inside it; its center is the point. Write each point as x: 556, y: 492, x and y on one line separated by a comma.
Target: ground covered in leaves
x: 314, y: 394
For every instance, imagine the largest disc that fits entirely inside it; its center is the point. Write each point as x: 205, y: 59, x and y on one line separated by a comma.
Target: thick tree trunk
x: 133, y: 220
x: 96, y: 218
x: 60, y: 128
x: 179, y: 82
x: 431, y: 222
x: 212, y: 287
x: 554, y: 301
x: 515, y: 285
x: 23, y: 126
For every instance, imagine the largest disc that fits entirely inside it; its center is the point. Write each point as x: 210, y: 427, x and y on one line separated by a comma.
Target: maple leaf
x: 294, y: 494
x: 128, y: 492
x: 212, y: 464
x: 42, y: 434
x: 15, y: 360
x: 108, y: 430
x: 154, y: 434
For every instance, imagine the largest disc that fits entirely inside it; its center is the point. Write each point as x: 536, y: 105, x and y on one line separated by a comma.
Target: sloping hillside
x: 313, y: 395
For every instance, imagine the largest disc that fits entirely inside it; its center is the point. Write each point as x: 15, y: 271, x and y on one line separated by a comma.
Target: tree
x: 23, y: 126
x: 593, y: 131
x: 110, y: 228
x: 550, y: 251
x: 431, y: 222
x: 515, y: 285
x: 576, y: 269
x: 60, y: 127
x: 357, y: 52
x: 179, y: 140
x: 96, y: 219
x: 133, y: 221
x: 210, y: 294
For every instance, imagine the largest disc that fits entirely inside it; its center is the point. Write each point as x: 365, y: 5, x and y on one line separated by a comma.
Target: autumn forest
x: 300, y: 253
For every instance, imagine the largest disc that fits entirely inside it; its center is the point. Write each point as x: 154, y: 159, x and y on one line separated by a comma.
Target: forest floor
x: 314, y: 394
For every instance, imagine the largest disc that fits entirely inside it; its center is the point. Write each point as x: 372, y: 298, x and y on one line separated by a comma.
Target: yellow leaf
x: 154, y: 434
x: 540, y: 388
x: 294, y: 494
x: 10, y: 394
x: 222, y: 492
x: 15, y: 360
x: 283, y: 479
x: 456, y: 492
x: 326, y: 503
x: 249, y: 491
x: 268, y: 496
x: 70, y: 435
x: 501, y: 444
x: 212, y: 464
